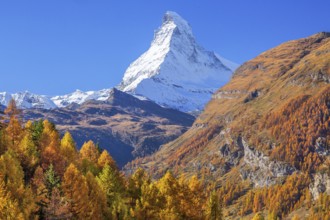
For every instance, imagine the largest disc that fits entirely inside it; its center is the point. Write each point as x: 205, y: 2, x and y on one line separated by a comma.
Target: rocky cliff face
x: 320, y: 184
x: 260, y: 169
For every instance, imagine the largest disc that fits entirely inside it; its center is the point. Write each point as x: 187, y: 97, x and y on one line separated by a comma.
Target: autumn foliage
x: 44, y: 176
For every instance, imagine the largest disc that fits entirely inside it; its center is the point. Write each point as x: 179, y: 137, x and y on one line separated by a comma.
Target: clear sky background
x: 53, y: 47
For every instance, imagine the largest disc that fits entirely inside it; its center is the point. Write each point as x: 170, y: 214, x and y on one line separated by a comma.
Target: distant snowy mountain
x: 5, y: 97
x: 27, y: 100
x: 175, y: 71
x: 80, y: 97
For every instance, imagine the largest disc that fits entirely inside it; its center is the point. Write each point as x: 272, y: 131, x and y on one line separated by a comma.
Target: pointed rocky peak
x: 117, y: 97
x: 175, y: 71
x: 174, y: 19
x: 173, y: 29
x: 171, y: 16
x: 115, y: 94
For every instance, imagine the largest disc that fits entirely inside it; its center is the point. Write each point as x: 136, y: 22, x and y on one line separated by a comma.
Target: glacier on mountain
x: 175, y: 71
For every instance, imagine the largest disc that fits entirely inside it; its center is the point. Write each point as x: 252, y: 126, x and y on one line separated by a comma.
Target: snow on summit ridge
x: 27, y: 100
x: 175, y: 71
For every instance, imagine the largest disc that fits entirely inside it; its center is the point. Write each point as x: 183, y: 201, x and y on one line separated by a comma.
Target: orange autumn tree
x: 68, y: 147
x: 14, y: 128
x: 75, y: 189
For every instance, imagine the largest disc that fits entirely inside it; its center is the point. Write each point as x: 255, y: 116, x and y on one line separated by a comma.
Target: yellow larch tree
x: 8, y: 207
x: 76, y: 192
x: 97, y: 201
x: 68, y: 147
x: 106, y: 159
x: 89, y: 151
x: 14, y: 128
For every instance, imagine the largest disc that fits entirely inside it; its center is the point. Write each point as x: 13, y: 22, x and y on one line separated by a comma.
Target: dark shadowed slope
x: 126, y: 126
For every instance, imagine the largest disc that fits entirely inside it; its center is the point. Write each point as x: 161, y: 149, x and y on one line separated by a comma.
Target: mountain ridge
x: 175, y: 71
x: 134, y: 127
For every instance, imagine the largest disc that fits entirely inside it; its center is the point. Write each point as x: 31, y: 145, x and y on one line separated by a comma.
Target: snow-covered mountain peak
x: 80, y: 97
x: 175, y: 71
x: 27, y: 99
x: 173, y: 28
x: 174, y: 20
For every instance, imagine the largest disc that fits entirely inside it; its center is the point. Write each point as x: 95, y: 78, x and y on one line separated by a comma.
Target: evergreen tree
x: 112, y: 186
x: 51, y: 179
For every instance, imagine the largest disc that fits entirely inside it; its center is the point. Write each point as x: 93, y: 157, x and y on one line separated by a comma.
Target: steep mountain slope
x: 27, y: 100
x: 2, y: 108
x: 175, y: 71
x: 269, y: 122
x: 123, y: 124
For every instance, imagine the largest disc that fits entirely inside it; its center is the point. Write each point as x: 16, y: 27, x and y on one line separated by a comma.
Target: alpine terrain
x: 175, y: 71
x: 124, y: 125
x: 260, y: 147
x: 263, y: 139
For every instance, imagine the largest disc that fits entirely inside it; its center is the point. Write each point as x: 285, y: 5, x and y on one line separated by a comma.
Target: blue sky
x: 53, y: 47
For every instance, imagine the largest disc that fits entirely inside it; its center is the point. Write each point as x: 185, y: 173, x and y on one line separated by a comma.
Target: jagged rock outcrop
x: 320, y: 184
x: 260, y: 169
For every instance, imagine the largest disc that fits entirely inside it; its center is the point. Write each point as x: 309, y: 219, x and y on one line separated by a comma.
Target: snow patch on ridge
x: 80, y: 97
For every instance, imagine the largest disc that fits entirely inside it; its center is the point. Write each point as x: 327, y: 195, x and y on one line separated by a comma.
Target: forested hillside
x: 264, y: 136
x: 43, y: 176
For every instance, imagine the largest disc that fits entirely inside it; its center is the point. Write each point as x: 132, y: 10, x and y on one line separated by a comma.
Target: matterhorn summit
x: 175, y: 71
